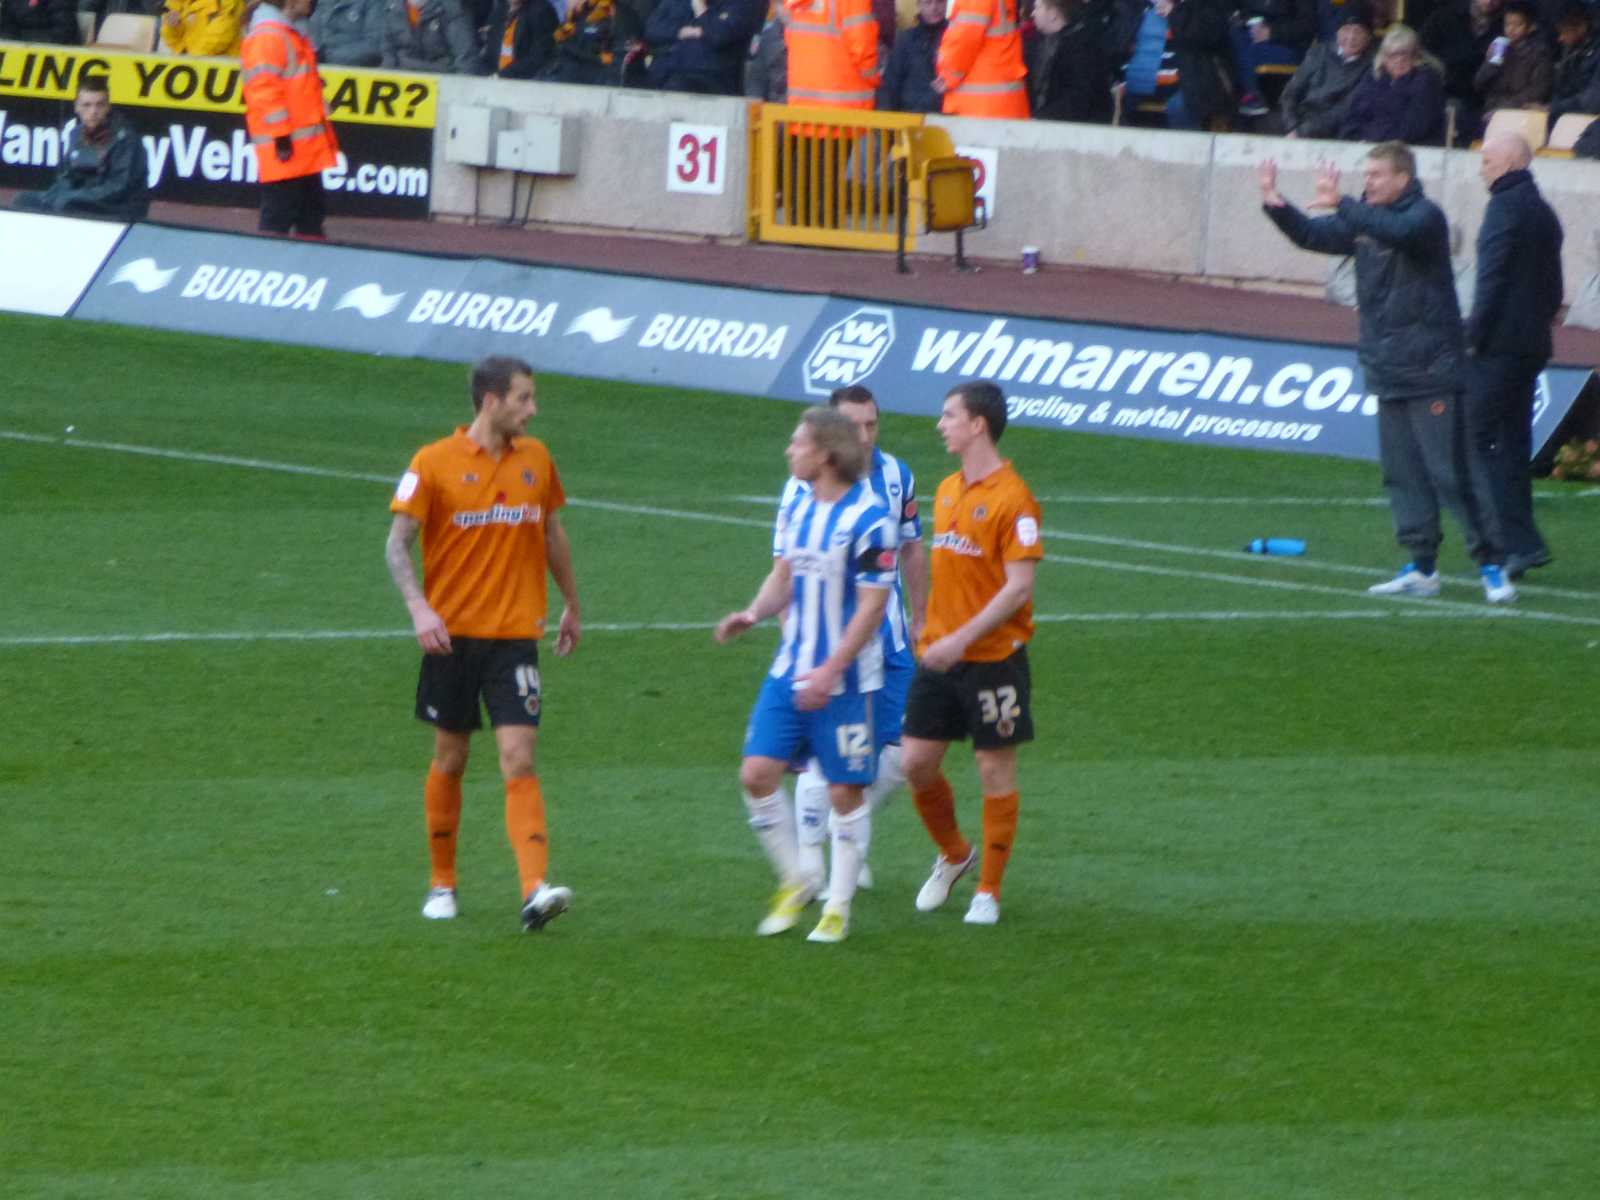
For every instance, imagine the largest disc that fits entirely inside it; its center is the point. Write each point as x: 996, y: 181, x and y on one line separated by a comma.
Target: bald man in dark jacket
x: 1518, y: 291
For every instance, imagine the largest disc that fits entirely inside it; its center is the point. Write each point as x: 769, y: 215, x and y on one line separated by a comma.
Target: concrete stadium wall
x: 1130, y: 199
x: 622, y: 159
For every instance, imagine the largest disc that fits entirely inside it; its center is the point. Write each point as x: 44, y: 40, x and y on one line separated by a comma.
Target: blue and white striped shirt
x: 893, y: 481
x: 832, y: 550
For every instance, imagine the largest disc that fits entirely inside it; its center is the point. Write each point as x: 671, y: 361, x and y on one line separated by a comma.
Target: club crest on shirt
x: 980, y: 512
x: 470, y: 477
x: 527, y: 478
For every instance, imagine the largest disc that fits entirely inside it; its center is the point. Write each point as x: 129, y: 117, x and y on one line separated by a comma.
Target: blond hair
x: 835, y: 435
x: 1403, y: 37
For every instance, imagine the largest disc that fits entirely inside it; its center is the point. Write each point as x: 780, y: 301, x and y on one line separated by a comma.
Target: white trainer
x: 1497, y: 589
x: 834, y: 926
x: 945, y: 873
x: 543, y: 905
x: 1409, y: 582
x: 440, y: 904
x: 984, y: 910
x: 788, y: 903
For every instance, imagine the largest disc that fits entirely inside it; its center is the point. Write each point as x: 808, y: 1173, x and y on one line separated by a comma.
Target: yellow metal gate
x: 827, y: 176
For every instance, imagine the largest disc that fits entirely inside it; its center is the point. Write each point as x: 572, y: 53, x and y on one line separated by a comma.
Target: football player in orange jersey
x: 972, y: 678
x: 484, y: 501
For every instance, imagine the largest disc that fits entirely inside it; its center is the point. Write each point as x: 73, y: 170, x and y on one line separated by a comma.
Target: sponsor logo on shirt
x: 958, y: 543
x: 498, y: 514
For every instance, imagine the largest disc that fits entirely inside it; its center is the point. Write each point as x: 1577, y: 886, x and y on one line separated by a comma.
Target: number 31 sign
x: 696, y: 158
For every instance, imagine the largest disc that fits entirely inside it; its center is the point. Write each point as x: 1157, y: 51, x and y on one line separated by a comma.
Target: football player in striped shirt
x: 831, y: 579
x: 895, y: 485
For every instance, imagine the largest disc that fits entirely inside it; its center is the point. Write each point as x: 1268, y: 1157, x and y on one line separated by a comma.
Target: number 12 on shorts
x: 855, y: 744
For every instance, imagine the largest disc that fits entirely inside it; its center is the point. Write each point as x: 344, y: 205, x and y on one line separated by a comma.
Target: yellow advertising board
x: 177, y: 82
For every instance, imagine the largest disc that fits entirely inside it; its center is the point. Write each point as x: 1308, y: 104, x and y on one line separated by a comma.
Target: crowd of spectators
x: 1357, y: 72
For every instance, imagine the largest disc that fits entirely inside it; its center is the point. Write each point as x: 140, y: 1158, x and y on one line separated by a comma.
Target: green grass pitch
x: 1303, y: 902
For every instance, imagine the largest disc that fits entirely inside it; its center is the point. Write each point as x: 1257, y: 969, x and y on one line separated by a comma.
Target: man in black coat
x: 907, y: 84
x: 1315, y: 100
x: 1576, y: 88
x: 104, y: 171
x: 1069, y: 72
x: 1411, y: 349
x: 1508, y: 336
x: 39, y: 21
x: 700, y: 45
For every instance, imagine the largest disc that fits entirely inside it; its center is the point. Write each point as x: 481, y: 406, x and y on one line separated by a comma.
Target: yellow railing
x: 826, y: 176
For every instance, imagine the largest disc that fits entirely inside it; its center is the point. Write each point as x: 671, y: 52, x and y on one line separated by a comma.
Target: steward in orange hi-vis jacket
x: 284, y: 117
x: 980, y: 67
x: 833, y: 53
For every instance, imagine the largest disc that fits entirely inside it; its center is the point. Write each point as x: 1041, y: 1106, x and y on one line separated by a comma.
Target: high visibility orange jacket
x: 980, y: 60
x: 833, y: 53
x: 283, y: 98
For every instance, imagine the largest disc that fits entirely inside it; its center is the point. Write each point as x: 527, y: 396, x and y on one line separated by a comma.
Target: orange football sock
x: 937, y: 808
x: 999, y: 830
x: 525, y: 828
x: 441, y: 807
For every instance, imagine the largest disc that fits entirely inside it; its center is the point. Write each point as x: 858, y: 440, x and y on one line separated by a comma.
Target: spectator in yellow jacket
x: 203, y: 27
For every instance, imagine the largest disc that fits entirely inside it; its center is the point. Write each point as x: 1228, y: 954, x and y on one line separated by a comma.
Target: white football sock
x: 890, y: 777
x: 852, y: 836
x: 811, y: 815
x: 773, y: 820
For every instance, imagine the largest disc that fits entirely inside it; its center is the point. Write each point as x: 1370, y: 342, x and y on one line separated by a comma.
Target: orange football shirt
x: 483, y: 528
x: 977, y: 530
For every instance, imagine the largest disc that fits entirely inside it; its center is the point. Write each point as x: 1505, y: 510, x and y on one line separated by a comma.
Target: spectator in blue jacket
x: 907, y: 84
x: 700, y: 45
x: 1402, y: 100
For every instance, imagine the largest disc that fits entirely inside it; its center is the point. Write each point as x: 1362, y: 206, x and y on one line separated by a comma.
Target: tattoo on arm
x: 397, y: 553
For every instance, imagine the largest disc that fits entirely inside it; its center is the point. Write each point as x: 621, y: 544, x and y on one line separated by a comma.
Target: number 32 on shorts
x: 999, y: 707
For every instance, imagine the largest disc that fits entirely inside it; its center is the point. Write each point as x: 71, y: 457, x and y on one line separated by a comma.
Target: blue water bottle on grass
x: 1276, y: 545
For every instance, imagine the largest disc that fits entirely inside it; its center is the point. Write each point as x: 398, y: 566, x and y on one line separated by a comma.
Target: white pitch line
x: 1459, y: 607
x: 1229, y: 501
x: 1293, y: 561
x: 1358, y: 501
x: 751, y: 522
x: 1216, y: 616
